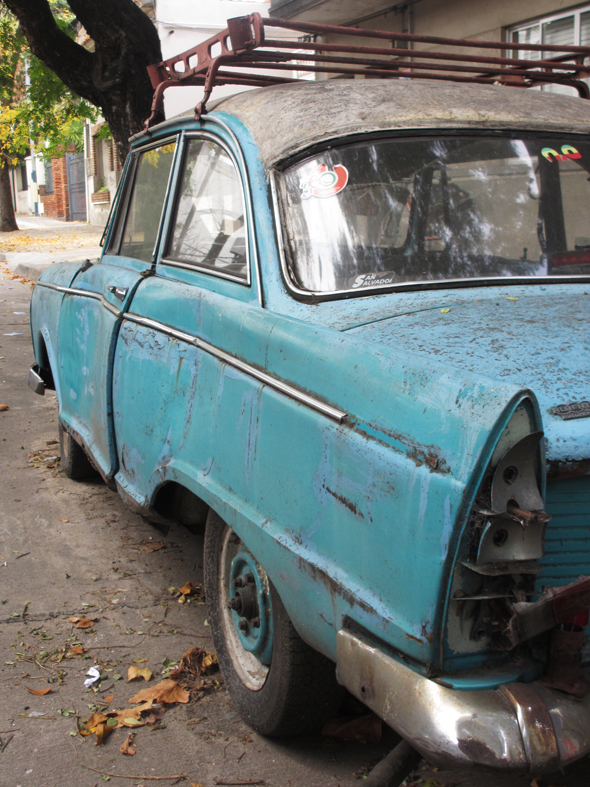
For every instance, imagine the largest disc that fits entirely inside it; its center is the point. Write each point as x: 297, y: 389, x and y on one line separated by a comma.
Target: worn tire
x: 300, y: 692
x: 74, y: 461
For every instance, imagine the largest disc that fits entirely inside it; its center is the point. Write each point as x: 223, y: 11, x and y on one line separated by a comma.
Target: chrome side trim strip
x: 158, y: 326
x: 83, y: 293
x: 288, y: 390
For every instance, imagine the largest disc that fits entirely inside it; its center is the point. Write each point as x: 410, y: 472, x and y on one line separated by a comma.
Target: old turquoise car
x: 343, y: 326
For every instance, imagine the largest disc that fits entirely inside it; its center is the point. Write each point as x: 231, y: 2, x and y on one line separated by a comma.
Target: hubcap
x: 250, y: 605
x: 246, y: 611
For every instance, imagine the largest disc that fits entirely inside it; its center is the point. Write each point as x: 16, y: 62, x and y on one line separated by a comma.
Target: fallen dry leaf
x: 137, y: 672
x: 131, y: 717
x: 110, y: 698
x: 93, y: 722
x: 83, y: 623
x: 364, y: 729
x: 128, y: 747
x: 166, y: 691
x: 194, y: 663
x: 194, y: 784
x: 78, y: 650
x: 187, y: 588
x: 64, y: 520
x: 38, y: 692
x: 4, y: 407
x: 102, y: 733
x: 194, y: 591
x: 150, y: 546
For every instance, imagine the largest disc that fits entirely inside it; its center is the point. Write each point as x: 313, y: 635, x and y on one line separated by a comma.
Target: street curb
x: 32, y: 270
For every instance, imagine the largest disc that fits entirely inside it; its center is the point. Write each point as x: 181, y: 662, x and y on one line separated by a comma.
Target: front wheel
x: 279, y: 685
x: 74, y: 461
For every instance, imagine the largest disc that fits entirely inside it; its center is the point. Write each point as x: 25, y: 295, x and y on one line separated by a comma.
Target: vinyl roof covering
x: 285, y: 119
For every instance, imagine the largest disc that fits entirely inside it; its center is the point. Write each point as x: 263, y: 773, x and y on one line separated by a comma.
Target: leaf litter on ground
x: 192, y: 673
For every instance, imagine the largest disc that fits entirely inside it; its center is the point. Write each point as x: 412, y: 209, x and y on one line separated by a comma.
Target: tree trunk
x: 7, y: 217
x: 114, y: 77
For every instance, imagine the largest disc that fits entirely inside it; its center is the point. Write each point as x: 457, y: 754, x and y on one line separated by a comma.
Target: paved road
x: 73, y: 549
x: 41, y: 241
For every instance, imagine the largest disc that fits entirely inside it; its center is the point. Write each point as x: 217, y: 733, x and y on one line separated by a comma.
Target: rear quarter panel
x: 354, y: 520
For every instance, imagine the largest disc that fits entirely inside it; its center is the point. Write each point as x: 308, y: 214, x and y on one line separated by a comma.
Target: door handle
x: 119, y: 292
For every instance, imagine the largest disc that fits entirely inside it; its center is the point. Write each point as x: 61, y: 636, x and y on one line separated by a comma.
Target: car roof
x: 285, y: 119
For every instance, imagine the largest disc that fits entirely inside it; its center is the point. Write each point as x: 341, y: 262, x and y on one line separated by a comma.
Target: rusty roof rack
x: 244, y: 55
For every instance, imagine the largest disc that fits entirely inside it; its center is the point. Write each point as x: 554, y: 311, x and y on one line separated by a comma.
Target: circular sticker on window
x: 324, y: 182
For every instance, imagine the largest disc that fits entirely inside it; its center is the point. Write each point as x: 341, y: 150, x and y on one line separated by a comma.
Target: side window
x: 137, y: 231
x: 208, y: 228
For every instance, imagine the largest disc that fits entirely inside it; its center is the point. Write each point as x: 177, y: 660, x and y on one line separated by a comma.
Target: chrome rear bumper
x: 518, y: 727
x: 35, y: 381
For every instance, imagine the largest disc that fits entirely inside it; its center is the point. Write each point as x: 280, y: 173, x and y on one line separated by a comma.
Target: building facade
x: 531, y: 21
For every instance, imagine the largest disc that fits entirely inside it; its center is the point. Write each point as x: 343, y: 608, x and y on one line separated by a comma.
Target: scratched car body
x: 354, y: 335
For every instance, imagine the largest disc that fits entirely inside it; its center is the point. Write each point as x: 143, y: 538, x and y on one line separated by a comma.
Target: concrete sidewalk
x: 41, y: 242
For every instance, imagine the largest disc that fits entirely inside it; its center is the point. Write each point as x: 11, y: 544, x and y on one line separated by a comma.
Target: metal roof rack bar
x: 244, y: 45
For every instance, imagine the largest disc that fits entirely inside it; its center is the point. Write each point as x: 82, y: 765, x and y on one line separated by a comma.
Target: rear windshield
x: 389, y: 212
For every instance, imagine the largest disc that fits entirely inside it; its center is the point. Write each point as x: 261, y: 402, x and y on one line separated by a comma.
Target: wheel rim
x: 246, y: 612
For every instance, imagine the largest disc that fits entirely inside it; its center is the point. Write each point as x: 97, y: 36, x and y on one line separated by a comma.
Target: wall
x: 183, y: 24
x: 56, y: 205
x: 20, y: 196
x: 450, y: 18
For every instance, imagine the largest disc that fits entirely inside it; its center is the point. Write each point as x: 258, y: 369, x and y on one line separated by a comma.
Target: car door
x: 93, y: 306
x: 164, y: 384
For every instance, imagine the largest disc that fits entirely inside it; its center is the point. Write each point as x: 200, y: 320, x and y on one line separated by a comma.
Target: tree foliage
x: 111, y: 74
x: 35, y: 106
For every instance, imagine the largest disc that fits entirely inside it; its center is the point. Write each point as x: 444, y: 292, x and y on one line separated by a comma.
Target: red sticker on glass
x: 324, y: 182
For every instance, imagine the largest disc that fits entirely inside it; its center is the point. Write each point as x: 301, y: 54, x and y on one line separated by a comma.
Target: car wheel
x: 74, y: 461
x: 279, y: 685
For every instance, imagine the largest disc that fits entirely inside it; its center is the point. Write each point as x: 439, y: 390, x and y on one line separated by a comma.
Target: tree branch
x: 114, y: 77
x: 70, y: 61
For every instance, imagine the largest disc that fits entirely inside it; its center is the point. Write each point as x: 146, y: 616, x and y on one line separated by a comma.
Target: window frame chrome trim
x: 339, y: 416
x: 171, y: 187
x: 250, y: 206
x: 166, y: 236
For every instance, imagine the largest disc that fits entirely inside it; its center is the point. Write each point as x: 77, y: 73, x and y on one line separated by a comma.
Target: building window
x: 564, y: 29
x: 24, y: 181
x: 49, y: 177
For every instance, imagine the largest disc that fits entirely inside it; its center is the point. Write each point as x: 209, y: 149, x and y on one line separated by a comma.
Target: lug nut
x: 238, y: 582
x: 255, y: 623
x: 243, y: 626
